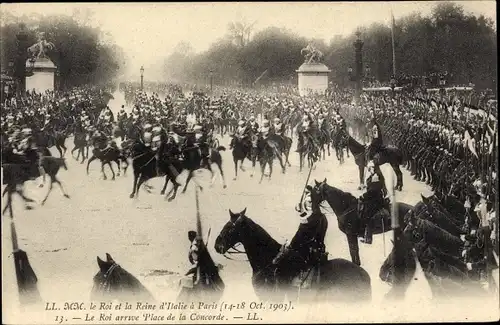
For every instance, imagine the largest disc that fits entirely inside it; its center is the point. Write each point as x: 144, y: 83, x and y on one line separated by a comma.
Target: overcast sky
x: 149, y: 31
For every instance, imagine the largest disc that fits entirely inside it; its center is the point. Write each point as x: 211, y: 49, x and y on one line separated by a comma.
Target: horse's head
x: 319, y: 189
x: 230, y: 234
x: 411, y: 230
x: 387, y: 270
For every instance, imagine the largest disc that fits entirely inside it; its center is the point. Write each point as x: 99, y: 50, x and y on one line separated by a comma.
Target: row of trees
x: 448, y: 39
x: 83, y: 54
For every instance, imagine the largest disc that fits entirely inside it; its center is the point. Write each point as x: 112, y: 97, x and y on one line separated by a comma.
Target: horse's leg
x: 280, y: 159
x: 190, y: 175
x: 117, y: 161
x: 235, y: 160
x: 102, y: 171
x: 50, y: 189
x: 73, y: 150
x: 59, y: 149
x: 136, y: 176
x: 124, y: 159
x: 112, y: 170
x: 352, y: 241
x: 270, y: 163
x: 219, y: 164
x: 262, y: 169
x: 63, y: 145
x: 88, y: 163
x: 60, y: 186
x: 25, y: 198
x: 167, y: 178
x: 399, y: 177
x: 361, y: 177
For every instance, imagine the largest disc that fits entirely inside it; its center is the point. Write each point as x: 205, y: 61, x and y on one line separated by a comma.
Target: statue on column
x: 311, y: 54
x: 39, y: 49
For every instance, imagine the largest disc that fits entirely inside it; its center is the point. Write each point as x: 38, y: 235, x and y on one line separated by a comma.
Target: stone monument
x: 312, y: 74
x: 41, y: 67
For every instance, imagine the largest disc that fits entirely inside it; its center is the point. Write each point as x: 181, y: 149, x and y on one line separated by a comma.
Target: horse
x: 324, y: 139
x: 203, y: 282
x: 306, y: 149
x: 59, y: 141
x: 240, y: 151
x: 17, y: 169
x: 345, y: 207
x: 339, y: 280
x: 113, y: 282
x: 144, y: 166
x: 193, y: 159
x: 106, y: 156
x: 283, y: 145
x: 339, y: 142
x: 265, y: 153
x: 80, y: 141
x: 447, y: 276
x: 387, y: 154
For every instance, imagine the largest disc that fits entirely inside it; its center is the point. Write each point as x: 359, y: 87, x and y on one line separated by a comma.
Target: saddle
x: 307, y: 277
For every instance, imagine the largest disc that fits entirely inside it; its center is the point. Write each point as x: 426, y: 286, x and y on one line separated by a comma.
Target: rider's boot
x: 368, y: 233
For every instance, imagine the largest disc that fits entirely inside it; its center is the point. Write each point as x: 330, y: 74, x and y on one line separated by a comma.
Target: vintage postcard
x: 281, y: 162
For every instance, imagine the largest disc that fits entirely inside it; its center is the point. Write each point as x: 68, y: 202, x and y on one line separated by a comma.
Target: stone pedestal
x: 312, y: 78
x: 43, y: 75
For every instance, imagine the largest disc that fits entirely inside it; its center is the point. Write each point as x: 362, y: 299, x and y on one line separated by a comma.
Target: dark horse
x: 339, y: 138
x: 193, y: 160
x: 345, y: 207
x: 241, y: 151
x: 339, y: 280
x: 80, y: 140
x: 114, y: 282
x: 204, y: 282
x: 447, y: 275
x: 265, y: 153
x: 106, y: 156
x: 18, y: 169
x: 387, y: 154
x: 144, y: 166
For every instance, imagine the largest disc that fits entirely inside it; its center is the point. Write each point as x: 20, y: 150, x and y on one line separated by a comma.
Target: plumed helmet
x: 27, y: 131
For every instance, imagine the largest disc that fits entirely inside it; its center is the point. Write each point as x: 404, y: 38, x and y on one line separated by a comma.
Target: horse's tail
x: 221, y: 148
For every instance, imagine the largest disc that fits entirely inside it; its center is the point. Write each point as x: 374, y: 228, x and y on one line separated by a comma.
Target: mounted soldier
x: 372, y: 201
x: 307, y: 247
x: 377, y: 142
x: 147, y: 135
x: 29, y: 149
x: 278, y: 127
x: 253, y: 125
x: 200, y: 139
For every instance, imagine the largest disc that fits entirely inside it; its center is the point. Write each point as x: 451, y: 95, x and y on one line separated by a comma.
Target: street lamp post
x: 211, y: 80
x: 20, y: 62
x: 358, y: 63
x: 142, y: 78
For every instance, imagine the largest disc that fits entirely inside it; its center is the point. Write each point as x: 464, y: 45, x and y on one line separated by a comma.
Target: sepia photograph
x: 249, y: 162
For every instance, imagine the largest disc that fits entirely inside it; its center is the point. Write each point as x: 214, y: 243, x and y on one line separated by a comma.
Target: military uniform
x: 371, y: 202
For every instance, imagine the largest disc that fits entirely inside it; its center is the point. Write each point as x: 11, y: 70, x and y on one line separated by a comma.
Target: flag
x: 469, y: 141
x: 26, y: 277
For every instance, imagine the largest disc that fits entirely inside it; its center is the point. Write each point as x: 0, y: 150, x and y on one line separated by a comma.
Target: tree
x: 240, y: 32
